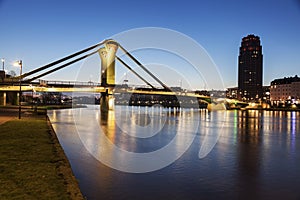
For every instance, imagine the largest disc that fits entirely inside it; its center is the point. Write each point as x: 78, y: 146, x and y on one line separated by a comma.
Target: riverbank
x: 273, y: 109
x: 41, y: 107
x: 32, y: 163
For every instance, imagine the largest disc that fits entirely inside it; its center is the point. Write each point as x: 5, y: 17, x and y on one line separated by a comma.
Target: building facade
x: 232, y: 93
x: 285, y: 91
x: 250, y: 69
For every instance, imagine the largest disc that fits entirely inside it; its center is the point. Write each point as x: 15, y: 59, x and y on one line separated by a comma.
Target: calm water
x: 256, y: 155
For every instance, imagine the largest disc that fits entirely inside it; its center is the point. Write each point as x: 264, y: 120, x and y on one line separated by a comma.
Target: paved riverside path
x: 4, y: 119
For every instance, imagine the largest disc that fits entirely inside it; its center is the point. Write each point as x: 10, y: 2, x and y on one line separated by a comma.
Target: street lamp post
x: 3, y: 73
x: 2, y: 60
x: 20, y: 83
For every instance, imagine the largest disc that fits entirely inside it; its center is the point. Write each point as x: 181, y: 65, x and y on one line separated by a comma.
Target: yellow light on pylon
x: 111, y: 103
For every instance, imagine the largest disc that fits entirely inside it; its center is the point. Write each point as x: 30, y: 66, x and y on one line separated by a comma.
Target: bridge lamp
x: 19, y: 63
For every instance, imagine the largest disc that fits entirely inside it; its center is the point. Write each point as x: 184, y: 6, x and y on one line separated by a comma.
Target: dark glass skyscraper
x: 250, y: 69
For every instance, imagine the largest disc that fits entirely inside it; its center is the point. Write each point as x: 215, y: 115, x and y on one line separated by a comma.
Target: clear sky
x: 41, y: 31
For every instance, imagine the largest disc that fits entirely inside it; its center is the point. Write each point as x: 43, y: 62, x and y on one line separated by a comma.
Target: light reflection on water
x: 257, y: 155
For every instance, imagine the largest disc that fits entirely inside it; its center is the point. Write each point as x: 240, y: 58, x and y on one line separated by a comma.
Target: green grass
x: 32, y: 164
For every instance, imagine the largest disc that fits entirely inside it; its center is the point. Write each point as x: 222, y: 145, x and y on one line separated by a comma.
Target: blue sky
x: 41, y: 31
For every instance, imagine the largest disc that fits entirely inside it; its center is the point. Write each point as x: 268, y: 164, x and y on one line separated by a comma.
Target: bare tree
x: 12, y: 73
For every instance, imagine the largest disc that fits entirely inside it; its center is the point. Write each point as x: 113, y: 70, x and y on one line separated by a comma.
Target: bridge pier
x: 107, y: 102
x: 9, y: 98
x: 3, y: 98
x: 107, y: 55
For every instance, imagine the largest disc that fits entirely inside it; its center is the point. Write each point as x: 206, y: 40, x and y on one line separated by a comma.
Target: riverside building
x: 285, y: 91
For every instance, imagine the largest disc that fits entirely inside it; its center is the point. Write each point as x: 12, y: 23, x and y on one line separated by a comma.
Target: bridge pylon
x: 108, y: 55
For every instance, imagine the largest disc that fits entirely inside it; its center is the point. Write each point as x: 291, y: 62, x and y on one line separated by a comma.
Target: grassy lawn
x: 32, y: 163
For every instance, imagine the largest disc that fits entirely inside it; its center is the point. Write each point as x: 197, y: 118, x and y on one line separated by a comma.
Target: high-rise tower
x: 250, y: 70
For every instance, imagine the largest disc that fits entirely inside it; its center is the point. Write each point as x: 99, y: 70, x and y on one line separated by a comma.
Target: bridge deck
x: 97, y: 90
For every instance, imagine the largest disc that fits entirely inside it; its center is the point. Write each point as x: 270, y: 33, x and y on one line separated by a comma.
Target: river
x: 157, y: 153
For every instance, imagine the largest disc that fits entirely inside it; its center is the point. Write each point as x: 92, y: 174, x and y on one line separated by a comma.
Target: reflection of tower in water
x: 249, y: 158
x: 250, y: 125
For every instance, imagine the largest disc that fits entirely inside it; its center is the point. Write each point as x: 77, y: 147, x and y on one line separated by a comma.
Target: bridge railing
x: 69, y: 83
